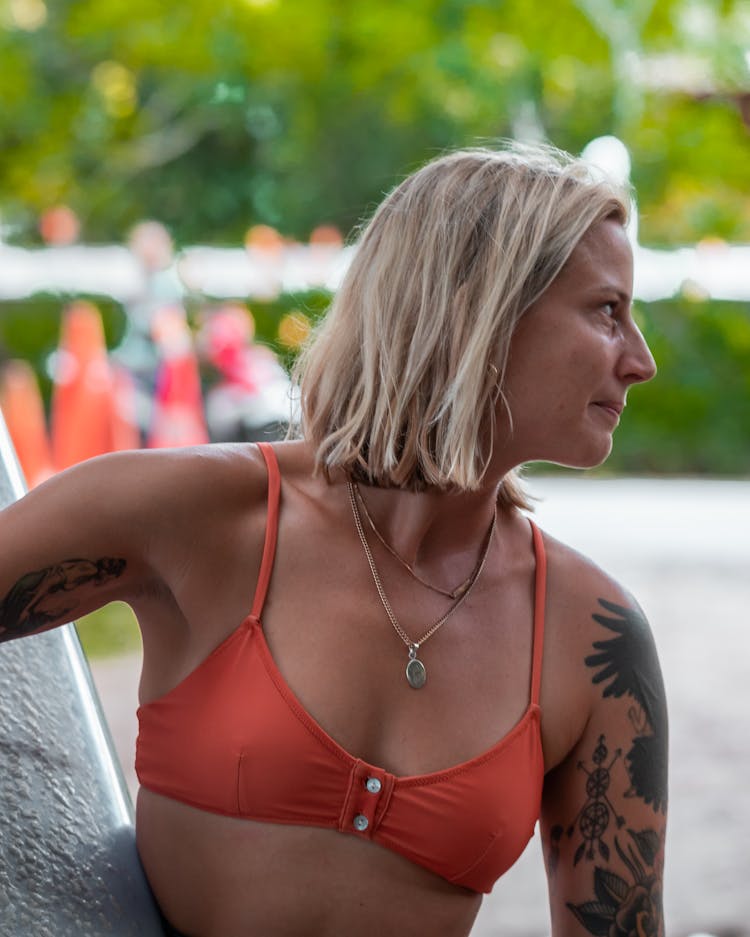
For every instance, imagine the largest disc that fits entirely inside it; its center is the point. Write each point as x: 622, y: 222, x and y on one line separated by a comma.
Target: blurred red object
x: 225, y: 338
x: 178, y: 418
x: 326, y: 235
x: 59, y: 226
x: 251, y: 398
x: 83, y: 393
x: 263, y: 237
x: 23, y: 410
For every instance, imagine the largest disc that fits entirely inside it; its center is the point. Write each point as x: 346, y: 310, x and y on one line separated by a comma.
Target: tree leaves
x: 358, y: 94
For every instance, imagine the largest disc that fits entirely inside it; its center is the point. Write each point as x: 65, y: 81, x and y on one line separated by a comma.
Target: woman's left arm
x: 605, y: 805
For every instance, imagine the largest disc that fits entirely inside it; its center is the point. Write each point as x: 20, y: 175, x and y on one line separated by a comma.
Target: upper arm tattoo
x: 597, y: 810
x: 630, y: 663
x: 627, y: 901
x: 44, y: 597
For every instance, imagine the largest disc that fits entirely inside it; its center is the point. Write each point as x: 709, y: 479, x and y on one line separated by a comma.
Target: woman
x: 366, y: 674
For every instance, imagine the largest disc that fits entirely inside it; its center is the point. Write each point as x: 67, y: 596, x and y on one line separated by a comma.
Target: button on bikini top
x: 232, y: 738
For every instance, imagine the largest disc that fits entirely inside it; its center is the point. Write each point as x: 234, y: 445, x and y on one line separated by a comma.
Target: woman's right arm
x: 79, y: 541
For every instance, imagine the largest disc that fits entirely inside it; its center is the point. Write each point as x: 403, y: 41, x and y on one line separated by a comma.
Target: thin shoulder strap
x: 272, y: 524
x: 540, y: 595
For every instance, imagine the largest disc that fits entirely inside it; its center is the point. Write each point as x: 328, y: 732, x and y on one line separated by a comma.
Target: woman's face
x: 573, y: 356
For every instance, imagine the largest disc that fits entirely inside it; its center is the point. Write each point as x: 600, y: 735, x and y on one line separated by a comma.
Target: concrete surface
x: 683, y: 549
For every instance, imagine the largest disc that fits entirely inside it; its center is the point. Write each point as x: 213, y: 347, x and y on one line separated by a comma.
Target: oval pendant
x: 416, y: 674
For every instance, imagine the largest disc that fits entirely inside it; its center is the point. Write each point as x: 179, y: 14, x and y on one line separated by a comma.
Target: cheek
x: 554, y: 370
x: 584, y: 368
x: 538, y: 389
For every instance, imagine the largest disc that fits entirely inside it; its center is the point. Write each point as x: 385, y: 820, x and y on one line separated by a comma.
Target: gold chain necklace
x: 448, y: 593
x: 416, y: 674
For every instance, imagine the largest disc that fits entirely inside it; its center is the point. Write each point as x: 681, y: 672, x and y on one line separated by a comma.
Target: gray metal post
x: 68, y: 863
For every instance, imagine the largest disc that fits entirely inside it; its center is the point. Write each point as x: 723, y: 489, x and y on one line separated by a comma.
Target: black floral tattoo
x: 43, y: 598
x: 594, y: 817
x: 630, y: 663
x: 625, y: 908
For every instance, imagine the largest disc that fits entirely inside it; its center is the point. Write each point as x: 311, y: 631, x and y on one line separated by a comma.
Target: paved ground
x: 683, y: 549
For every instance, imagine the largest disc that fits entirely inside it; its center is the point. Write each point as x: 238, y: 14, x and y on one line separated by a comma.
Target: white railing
x: 711, y: 270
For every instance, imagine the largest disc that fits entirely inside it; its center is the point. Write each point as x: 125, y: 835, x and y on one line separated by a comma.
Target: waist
x: 215, y: 875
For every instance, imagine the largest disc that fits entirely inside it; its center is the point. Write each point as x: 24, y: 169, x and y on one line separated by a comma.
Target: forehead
x: 603, y: 254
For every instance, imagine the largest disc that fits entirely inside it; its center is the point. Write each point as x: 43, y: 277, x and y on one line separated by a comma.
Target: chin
x: 591, y: 458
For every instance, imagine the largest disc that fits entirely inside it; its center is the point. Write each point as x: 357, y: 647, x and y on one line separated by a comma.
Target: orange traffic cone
x: 178, y: 418
x: 23, y: 410
x: 82, y: 397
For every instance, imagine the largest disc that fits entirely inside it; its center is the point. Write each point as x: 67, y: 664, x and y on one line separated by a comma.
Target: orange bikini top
x: 232, y: 738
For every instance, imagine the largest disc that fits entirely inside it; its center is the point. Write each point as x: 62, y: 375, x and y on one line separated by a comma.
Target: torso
x: 223, y: 876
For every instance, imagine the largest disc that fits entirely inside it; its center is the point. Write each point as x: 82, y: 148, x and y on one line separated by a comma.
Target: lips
x: 615, y: 406
x: 612, y: 409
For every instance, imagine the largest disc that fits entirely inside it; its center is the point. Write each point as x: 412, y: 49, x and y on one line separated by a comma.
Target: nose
x: 637, y: 364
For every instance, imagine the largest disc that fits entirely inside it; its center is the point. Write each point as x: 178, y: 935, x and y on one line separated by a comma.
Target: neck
x: 436, y: 533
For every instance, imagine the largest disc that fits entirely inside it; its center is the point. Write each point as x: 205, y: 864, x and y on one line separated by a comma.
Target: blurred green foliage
x: 212, y: 117
x: 110, y: 630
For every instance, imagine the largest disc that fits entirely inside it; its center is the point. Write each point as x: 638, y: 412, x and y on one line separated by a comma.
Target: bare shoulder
x: 193, y: 502
x: 129, y: 505
x: 130, y: 480
x: 207, y: 477
x: 211, y: 473
x: 598, y: 646
x: 577, y: 590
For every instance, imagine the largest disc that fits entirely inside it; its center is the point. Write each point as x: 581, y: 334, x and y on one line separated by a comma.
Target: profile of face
x: 573, y: 356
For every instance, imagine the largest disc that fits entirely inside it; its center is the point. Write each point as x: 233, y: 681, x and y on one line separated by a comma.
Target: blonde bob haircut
x: 400, y: 381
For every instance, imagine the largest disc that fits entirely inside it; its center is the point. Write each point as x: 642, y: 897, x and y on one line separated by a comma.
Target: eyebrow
x: 600, y: 289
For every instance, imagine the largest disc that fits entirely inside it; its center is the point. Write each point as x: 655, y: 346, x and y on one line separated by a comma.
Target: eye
x: 610, y: 309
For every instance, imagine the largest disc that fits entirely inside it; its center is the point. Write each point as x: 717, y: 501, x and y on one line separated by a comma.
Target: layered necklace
x: 448, y: 593
x: 416, y: 673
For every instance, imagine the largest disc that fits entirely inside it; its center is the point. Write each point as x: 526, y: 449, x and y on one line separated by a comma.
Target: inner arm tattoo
x: 45, y: 597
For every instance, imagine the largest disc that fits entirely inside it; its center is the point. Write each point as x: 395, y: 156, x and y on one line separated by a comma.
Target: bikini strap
x: 272, y: 525
x: 540, y: 595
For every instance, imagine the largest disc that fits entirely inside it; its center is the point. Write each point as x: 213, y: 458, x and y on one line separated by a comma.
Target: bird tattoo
x: 629, y: 666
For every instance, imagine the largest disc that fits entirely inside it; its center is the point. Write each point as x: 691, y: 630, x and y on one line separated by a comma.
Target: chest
x: 345, y: 662
x: 255, y: 752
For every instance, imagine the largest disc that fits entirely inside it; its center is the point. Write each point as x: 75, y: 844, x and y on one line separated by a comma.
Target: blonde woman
x: 366, y: 673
